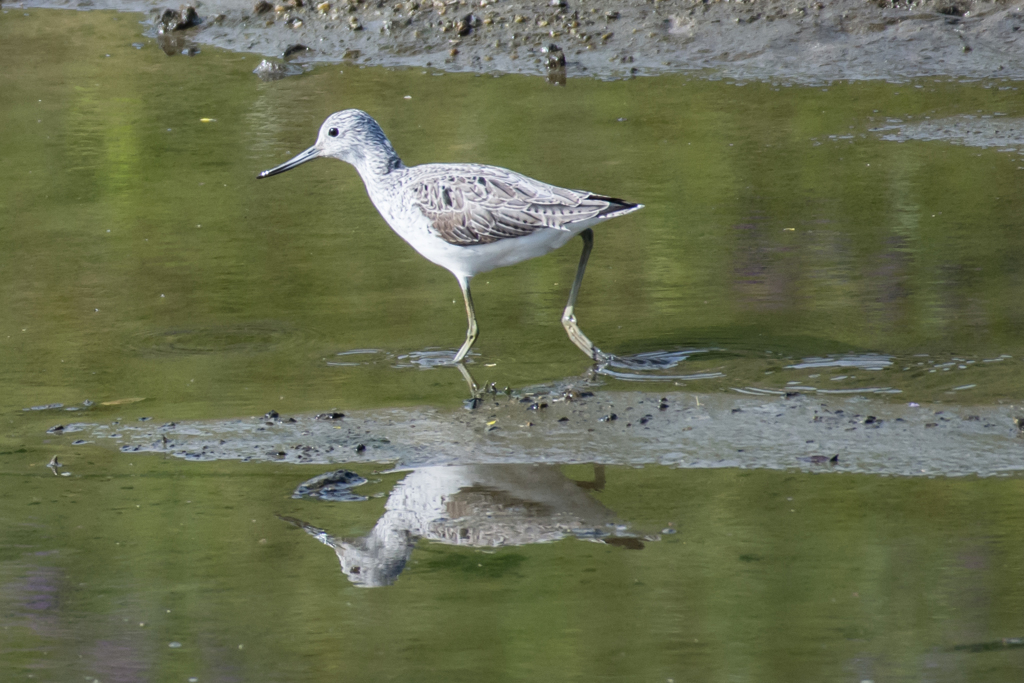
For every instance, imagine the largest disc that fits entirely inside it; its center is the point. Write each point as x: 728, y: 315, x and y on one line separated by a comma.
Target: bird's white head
x: 353, y: 136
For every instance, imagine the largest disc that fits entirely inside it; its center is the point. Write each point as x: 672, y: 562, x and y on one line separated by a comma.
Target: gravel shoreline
x: 775, y: 40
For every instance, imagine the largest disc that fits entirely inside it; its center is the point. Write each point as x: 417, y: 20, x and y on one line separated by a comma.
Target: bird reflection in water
x: 479, y: 506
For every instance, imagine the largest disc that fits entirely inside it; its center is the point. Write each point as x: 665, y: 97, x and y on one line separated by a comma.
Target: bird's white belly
x: 479, y: 258
x: 470, y: 260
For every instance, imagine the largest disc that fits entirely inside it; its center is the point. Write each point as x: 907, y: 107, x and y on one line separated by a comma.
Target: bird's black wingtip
x: 616, y: 206
x: 614, y: 200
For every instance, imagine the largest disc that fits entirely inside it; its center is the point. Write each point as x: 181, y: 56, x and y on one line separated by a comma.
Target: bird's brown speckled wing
x: 471, y: 204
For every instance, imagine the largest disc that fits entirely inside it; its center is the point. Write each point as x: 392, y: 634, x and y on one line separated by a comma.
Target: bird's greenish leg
x: 473, y: 331
x: 569, y: 317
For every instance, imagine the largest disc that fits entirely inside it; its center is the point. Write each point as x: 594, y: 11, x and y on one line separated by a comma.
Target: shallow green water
x: 770, y: 577
x: 786, y: 241
x: 141, y: 258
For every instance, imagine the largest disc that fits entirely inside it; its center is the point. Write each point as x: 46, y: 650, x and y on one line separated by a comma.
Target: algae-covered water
x: 860, y: 241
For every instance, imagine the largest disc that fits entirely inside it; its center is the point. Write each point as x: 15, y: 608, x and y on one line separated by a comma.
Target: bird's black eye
x: 333, y: 132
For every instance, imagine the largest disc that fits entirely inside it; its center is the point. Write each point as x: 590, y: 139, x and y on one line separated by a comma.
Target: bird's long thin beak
x: 308, y: 155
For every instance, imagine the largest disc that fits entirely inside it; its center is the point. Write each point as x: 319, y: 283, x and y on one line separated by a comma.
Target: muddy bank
x: 573, y: 425
x: 787, y: 40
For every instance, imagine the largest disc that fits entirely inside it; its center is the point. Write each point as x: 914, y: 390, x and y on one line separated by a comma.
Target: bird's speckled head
x: 353, y: 136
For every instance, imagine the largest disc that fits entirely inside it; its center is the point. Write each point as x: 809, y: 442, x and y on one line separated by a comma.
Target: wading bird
x: 468, y: 218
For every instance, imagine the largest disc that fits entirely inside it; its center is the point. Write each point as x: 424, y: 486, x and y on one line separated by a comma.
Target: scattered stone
x: 273, y: 71
x: 262, y: 7
x: 466, y: 24
x: 178, y: 20
x: 575, y: 394
x: 331, y: 486
x: 292, y: 50
x: 955, y: 9
x: 554, y: 57
x: 330, y: 416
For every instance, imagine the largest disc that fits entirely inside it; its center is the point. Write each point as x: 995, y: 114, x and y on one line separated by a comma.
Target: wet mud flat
x: 790, y: 41
x: 569, y: 425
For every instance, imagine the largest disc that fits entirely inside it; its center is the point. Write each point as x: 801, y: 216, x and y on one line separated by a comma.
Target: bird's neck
x: 377, y: 161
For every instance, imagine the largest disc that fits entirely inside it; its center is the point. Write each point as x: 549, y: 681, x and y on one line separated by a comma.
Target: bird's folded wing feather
x: 482, y: 204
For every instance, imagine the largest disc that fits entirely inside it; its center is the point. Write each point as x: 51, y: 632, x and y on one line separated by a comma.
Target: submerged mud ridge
x: 787, y: 40
x: 567, y: 426
x: 1003, y: 133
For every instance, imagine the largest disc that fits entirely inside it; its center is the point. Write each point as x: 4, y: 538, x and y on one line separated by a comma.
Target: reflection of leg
x: 569, y: 317
x: 473, y: 330
x: 473, y: 389
x: 598, y: 483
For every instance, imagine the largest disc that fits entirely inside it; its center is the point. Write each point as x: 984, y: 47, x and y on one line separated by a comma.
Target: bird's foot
x: 581, y: 341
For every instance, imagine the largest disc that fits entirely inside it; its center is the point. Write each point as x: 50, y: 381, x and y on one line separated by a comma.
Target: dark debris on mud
x: 789, y: 40
x: 857, y: 434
